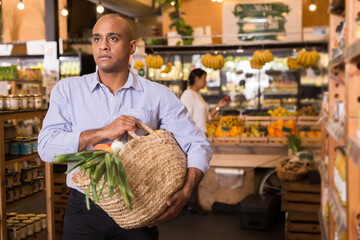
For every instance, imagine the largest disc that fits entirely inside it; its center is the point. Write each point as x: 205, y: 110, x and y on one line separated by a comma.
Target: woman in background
x: 199, y: 111
x: 195, y: 103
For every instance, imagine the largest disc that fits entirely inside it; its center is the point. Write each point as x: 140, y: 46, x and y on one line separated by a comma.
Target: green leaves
x: 100, y: 165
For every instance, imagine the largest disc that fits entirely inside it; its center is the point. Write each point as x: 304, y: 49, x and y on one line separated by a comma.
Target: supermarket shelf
x: 353, y: 51
x: 353, y: 149
x: 338, y: 211
x: 37, y: 235
x: 10, y: 159
x: 337, y: 61
x: 335, y: 129
x: 23, y: 200
x: 29, y: 113
x: 18, y: 81
x: 323, y: 227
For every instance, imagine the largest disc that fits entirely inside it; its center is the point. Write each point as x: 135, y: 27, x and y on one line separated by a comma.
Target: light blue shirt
x: 83, y: 103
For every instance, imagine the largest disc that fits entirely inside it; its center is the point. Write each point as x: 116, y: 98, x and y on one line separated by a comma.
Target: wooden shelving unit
x: 344, y: 86
x: 5, y: 160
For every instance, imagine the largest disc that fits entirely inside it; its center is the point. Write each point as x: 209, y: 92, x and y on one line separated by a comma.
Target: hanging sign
x: 5, y: 49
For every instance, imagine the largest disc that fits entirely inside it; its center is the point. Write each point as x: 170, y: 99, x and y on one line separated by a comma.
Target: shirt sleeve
x: 56, y: 136
x: 175, y: 118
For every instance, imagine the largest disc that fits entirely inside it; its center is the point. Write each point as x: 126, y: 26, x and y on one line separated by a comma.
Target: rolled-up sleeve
x: 175, y: 118
x: 56, y: 136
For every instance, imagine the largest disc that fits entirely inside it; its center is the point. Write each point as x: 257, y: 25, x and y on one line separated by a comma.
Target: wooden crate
x: 254, y: 139
x: 302, y: 225
x: 300, y: 196
x: 224, y: 139
x: 263, y: 120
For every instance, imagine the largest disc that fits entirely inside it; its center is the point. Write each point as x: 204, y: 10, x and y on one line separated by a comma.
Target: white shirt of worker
x: 82, y: 103
x: 197, y: 107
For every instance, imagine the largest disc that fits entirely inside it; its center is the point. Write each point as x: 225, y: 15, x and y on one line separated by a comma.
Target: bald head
x: 119, y: 20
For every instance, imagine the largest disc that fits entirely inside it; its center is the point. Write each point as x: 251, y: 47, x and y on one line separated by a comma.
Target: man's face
x: 112, y: 44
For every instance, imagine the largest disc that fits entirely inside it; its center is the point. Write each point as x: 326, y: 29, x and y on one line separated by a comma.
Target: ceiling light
x: 172, y: 3
x: 312, y: 6
x: 64, y: 12
x: 21, y: 5
x: 213, y: 0
x: 100, y: 8
x: 219, y: 1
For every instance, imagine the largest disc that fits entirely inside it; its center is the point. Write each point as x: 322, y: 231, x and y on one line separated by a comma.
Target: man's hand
x: 112, y: 131
x: 177, y: 202
x: 120, y: 126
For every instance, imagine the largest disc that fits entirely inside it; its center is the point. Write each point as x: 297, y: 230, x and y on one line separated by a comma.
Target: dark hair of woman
x: 197, y: 72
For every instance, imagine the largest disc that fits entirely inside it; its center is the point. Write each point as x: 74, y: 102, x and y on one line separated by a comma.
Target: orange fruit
x: 102, y: 147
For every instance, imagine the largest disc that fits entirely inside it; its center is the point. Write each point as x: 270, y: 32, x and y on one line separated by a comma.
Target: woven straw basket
x: 155, y: 167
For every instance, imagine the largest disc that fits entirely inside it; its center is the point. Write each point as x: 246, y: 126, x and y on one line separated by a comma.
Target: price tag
x: 225, y: 129
x: 306, y: 156
x: 305, y: 129
x: 285, y: 129
x: 262, y: 129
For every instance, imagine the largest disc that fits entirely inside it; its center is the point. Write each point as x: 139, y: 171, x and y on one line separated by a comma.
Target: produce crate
x: 302, y: 225
x: 224, y: 139
x: 274, y: 118
x: 278, y: 140
x: 311, y: 121
x: 254, y: 139
x: 263, y: 120
x: 300, y: 196
x: 311, y: 142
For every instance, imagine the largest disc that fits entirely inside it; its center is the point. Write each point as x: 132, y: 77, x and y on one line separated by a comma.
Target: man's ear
x: 132, y: 47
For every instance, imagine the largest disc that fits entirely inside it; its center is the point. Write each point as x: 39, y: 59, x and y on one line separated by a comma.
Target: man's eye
x: 112, y: 38
x: 96, y: 39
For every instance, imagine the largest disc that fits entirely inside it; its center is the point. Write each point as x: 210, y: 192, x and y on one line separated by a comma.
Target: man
x: 103, y: 106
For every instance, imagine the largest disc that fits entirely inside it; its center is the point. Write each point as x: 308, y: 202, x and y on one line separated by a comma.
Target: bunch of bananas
x: 214, y: 62
x: 293, y: 63
x: 307, y: 59
x: 168, y: 68
x: 229, y: 121
x: 260, y: 58
x: 154, y: 61
x: 139, y: 65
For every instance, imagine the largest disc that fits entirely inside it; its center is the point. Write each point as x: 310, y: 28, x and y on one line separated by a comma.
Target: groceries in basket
x: 155, y: 168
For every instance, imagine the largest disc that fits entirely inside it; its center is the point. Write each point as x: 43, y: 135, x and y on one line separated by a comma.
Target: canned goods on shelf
x: 26, y: 174
x: 24, y: 102
x: 37, y: 224
x: 38, y: 101
x: 22, y: 190
x: 29, y: 227
x: 2, y: 102
x: 34, y: 144
x: 42, y: 220
x: 9, y: 179
x: 14, y: 233
x: 25, y: 147
x: 12, y: 102
x: 14, y: 147
x: 31, y: 101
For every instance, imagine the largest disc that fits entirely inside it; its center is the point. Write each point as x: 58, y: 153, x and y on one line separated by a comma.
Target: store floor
x: 189, y: 227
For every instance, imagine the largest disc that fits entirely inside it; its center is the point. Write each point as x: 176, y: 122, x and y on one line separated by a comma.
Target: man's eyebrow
x: 109, y: 34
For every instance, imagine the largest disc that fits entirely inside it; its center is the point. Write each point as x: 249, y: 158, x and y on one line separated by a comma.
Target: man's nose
x: 104, y: 45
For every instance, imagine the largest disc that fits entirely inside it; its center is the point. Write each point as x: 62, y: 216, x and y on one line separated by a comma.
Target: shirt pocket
x: 143, y: 115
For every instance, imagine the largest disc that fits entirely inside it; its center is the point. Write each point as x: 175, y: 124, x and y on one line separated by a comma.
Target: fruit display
x: 307, y: 59
x: 229, y: 126
x: 308, y: 111
x: 276, y: 129
x: 310, y: 134
x: 210, y: 129
x: 168, y: 68
x: 253, y: 130
x: 260, y: 58
x: 280, y: 111
x: 213, y: 61
x: 139, y: 65
x: 154, y: 61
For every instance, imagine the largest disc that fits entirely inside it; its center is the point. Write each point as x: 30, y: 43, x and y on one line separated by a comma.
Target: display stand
x: 13, y: 115
x: 344, y: 86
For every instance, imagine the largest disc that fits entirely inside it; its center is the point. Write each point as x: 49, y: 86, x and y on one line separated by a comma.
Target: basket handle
x: 142, y: 125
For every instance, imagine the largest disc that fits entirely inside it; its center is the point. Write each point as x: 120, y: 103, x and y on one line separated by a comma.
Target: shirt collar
x: 132, y: 81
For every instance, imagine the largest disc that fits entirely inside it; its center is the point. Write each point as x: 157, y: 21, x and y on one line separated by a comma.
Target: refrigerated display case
x: 250, y: 89
x: 71, y: 64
